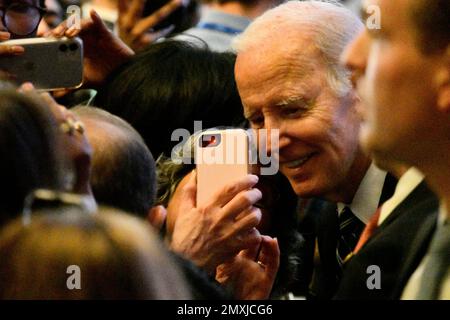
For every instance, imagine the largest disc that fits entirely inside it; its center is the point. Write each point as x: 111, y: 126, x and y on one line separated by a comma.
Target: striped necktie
x: 350, y: 228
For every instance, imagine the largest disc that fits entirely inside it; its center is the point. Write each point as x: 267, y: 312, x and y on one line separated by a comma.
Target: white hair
x: 330, y: 25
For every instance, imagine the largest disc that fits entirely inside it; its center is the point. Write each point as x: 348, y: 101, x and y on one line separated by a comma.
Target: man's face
x: 20, y: 20
x: 395, y: 82
x: 318, y: 131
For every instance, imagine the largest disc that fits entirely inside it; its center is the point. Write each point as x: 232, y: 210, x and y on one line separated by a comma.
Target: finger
x: 130, y: 17
x: 26, y: 87
x: 122, y: 12
x: 252, y: 252
x: 189, y: 193
x: 98, y: 23
x: 11, y: 50
x: 60, y: 30
x: 250, y: 218
x: 4, y: 35
x: 142, y: 42
x: 223, y: 196
x: 237, y: 243
x: 136, y: 9
x: 269, y: 255
x: 247, y: 239
x: 72, y: 32
x: 241, y: 202
x: 156, y: 17
x: 123, y: 6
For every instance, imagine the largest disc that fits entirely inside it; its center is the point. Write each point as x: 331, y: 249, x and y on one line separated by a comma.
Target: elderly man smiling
x: 289, y: 78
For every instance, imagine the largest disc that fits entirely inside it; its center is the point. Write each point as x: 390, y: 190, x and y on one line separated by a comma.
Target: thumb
x: 26, y: 87
x: 189, y: 193
x: 98, y: 22
x: 157, y: 216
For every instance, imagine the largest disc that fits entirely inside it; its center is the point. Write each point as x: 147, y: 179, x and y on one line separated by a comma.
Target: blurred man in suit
x: 402, y: 72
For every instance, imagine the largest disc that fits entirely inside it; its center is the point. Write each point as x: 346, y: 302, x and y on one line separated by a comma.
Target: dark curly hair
x: 169, y: 86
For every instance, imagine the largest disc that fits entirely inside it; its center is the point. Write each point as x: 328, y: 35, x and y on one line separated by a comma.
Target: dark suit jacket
x: 415, y: 254
x: 319, y: 279
x: 390, y: 245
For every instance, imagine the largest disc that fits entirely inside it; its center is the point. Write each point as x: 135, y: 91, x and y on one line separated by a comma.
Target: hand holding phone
x: 10, y: 50
x: 216, y: 231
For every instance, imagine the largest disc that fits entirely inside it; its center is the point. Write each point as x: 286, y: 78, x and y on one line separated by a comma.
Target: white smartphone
x: 48, y: 63
x: 222, y: 156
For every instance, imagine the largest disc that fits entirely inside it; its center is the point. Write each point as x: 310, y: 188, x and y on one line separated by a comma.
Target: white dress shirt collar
x: 443, y: 215
x: 406, y: 184
x: 366, y: 199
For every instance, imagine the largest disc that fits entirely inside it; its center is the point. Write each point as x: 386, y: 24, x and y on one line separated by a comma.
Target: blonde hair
x: 118, y: 255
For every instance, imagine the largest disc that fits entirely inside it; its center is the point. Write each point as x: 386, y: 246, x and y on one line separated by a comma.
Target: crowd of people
x: 95, y: 205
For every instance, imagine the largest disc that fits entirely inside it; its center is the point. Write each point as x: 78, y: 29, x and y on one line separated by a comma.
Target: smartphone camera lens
x: 209, y: 140
x: 63, y: 48
x: 73, y: 47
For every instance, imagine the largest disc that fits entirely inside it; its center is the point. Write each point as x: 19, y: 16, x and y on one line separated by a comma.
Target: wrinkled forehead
x: 256, y: 69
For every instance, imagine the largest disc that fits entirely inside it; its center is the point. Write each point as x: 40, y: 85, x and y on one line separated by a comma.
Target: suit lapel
x: 416, y: 253
x: 419, y: 194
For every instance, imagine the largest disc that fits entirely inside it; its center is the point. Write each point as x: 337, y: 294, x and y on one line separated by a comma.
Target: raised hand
x: 135, y: 30
x: 103, y: 51
x: 215, y: 232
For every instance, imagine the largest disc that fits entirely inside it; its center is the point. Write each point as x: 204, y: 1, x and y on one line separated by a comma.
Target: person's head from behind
x: 169, y: 86
x: 289, y: 78
x: 402, y: 73
x: 76, y: 147
x: 65, y: 253
x: 21, y: 18
x: 123, y: 169
x: 74, y: 142
x: 31, y: 149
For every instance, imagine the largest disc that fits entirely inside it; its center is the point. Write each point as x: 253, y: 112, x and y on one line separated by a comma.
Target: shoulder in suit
x: 320, y: 229
x: 396, y: 247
